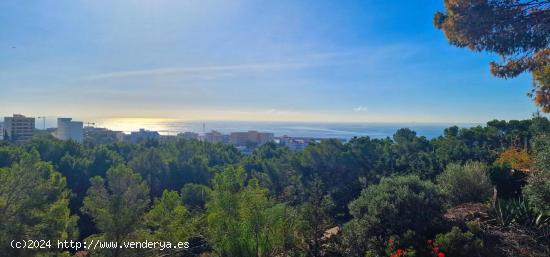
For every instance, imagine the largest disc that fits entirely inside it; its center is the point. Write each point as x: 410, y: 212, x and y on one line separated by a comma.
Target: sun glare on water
x: 127, y: 125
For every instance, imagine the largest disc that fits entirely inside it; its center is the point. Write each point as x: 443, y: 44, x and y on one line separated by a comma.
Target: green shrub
x: 537, y: 191
x: 465, y: 183
x: 396, y: 206
x: 195, y: 195
x: 541, y: 153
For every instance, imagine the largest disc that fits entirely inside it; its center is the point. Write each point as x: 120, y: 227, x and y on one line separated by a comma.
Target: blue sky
x: 352, y: 61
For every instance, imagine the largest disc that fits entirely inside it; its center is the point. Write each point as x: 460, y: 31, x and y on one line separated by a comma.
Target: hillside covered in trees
x: 480, y: 191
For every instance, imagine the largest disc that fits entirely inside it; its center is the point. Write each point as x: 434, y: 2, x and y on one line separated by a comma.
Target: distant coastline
x: 339, y: 130
x: 294, y: 129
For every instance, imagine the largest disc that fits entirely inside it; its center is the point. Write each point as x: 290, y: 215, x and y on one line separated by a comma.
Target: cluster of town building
x: 20, y: 128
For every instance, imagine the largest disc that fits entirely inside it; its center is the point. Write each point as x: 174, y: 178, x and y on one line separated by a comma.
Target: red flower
x: 440, y: 255
x: 390, y: 241
x: 435, y: 249
x: 399, y: 251
x: 429, y: 241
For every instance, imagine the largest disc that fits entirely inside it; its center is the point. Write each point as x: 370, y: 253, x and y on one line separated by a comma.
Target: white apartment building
x: 18, y: 128
x: 69, y: 130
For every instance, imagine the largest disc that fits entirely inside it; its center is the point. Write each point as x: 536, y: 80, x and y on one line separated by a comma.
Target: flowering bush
x: 456, y: 243
x: 433, y: 249
x: 404, y: 205
x: 395, y: 251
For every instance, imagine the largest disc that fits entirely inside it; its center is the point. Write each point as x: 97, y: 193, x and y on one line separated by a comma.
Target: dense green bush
x: 456, y: 243
x: 195, y: 196
x: 465, y: 183
x: 397, y: 206
x: 537, y: 191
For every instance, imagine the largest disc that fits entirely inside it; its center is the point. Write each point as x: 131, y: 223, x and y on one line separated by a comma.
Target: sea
x: 320, y: 130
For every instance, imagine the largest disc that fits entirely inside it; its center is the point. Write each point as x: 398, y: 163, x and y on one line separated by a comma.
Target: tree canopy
x: 33, y: 205
x: 516, y: 30
x: 334, y: 198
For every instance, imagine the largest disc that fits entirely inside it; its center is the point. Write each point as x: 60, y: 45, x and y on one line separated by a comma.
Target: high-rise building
x: 143, y: 134
x: 18, y: 128
x: 250, y: 137
x: 264, y: 138
x: 239, y: 138
x: 1, y: 130
x: 214, y: 137
x: 70, y: 130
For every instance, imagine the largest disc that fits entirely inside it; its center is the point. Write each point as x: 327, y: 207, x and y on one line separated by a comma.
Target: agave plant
x: 516, y: 211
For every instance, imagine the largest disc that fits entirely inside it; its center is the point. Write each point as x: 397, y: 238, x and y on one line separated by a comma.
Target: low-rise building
x: 70, y: 130
x: 295, y: 144
x: 188, y: 135
x: 19, y: 128
x: 102, y: 135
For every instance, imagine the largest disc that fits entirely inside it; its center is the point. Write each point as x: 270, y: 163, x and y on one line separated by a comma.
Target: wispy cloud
x: 365, y: 57
x: 360, y: 109
x: 214, y: 71
x: 195, y: 70
x: 280, y: 112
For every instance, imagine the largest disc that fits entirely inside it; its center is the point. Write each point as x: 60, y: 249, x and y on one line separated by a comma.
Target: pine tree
x: 117, y: 206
